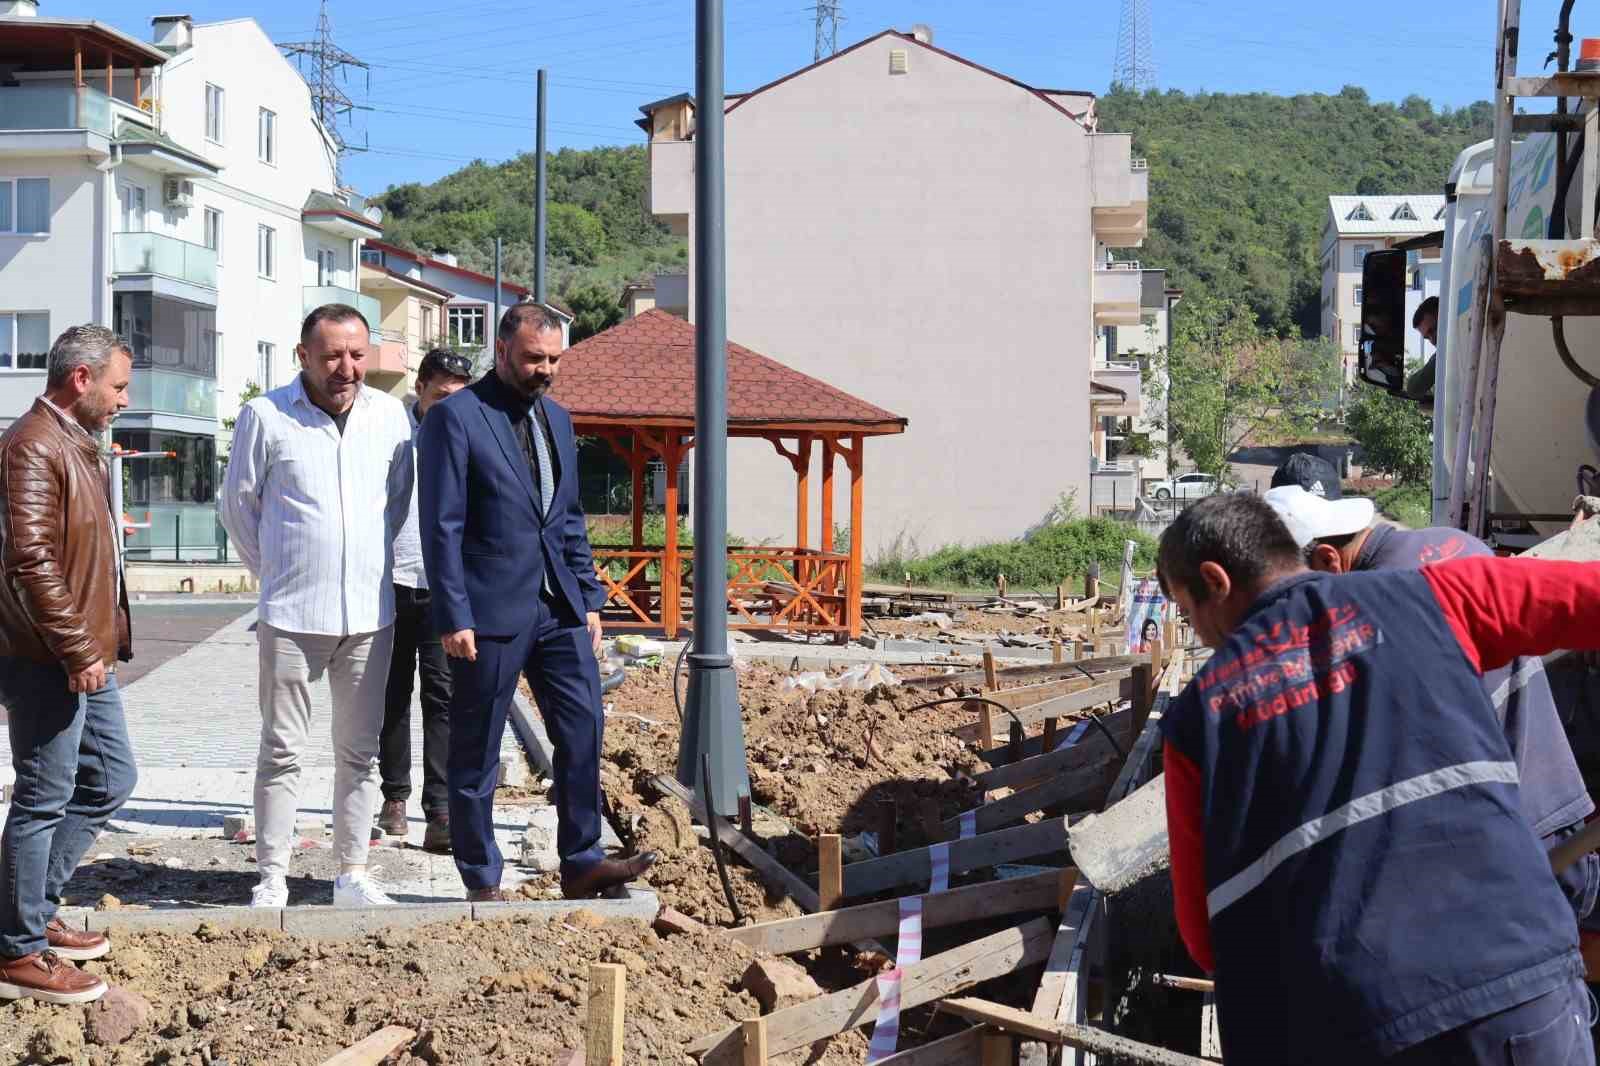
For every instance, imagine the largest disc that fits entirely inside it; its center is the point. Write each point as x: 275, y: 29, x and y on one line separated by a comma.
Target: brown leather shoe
x: 48, y: 978
x: 75, y: 944
x: 607, y: 873
x: 436, y: 837
x: 487, y: 895
x: 392, y: 818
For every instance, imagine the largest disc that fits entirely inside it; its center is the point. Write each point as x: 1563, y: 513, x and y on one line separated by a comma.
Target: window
x: 168, y: 334
x: 430, y: 327
x: 264, y: 357
x: 266, y: 252
x: 373, y: 256
x: 325, y: 261
x: 214, y: 232
x: 131, y: 197
x: 24, y: 339
x: 1403, y: 213
x: 466, y: 326
x: 267, y: 136
x: 1361, y: 252
x: 1358, y: 295
x: 1355, y: 334
x: 25, y: 205
x: 215, y: 98
x: 188, y: 477
x: 1359, y: 214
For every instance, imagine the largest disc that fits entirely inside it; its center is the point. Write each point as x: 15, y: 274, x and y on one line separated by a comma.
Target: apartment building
x: 182, y: 192
x: 939, y: 234
x: 1358, y: 225
x: 411, y: 315
x: 1129, y: 443
x: 473, y: 308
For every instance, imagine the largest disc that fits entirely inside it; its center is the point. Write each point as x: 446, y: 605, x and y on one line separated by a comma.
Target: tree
x: 1224, y: 381
x: 250, y: 391
x: 1396, y: 438
x: 597, y: 309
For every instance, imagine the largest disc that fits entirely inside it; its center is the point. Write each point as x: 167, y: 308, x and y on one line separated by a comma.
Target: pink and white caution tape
x: 939, y: 855
x: 969, y: 824
x: 908, y: 951
x: 886, y: 1031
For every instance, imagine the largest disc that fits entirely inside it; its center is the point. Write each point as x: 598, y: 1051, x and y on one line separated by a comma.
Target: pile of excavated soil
x: 491, y: 992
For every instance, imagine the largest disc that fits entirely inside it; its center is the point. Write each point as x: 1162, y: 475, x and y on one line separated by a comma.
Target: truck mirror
x: 1382, y: 348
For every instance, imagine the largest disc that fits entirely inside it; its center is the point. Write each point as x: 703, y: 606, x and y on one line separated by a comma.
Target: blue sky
x: 453, y: 82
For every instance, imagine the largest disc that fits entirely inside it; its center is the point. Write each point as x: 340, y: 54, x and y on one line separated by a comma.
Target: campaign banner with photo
x: 1146, y: 616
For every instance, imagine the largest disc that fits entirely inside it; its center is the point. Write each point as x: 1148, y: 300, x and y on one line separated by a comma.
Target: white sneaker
x: 358, y: 890
x: 271, y: 892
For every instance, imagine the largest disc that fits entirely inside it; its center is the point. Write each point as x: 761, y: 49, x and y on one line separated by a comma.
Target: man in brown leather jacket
x: 63, y: 628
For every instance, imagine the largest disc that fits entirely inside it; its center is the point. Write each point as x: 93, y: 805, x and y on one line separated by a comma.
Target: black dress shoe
x: 607, y: 873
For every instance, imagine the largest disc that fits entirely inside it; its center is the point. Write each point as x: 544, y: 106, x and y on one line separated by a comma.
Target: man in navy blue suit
x: 515, y: 592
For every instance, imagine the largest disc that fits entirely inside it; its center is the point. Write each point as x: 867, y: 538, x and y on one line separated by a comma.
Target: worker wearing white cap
x: 1341, y: 537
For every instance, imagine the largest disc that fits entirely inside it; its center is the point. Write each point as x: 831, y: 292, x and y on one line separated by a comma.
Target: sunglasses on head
x: 456, y: 364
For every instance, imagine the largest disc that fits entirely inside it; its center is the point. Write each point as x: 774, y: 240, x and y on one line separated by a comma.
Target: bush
x: 1039, y: 561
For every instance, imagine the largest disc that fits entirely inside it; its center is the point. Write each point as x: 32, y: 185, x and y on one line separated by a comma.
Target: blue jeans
x: 74, y: 771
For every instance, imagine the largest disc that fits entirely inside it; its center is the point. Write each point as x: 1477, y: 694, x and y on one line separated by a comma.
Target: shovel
x: 1119, y: 846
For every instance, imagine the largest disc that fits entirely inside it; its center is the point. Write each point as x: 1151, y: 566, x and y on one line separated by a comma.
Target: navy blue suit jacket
x: 484, y: 544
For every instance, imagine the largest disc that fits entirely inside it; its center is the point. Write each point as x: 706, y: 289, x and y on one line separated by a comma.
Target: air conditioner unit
x: 179, y: 192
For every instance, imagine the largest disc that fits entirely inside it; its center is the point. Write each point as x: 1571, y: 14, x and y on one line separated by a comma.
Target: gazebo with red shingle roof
x: 633, y: 386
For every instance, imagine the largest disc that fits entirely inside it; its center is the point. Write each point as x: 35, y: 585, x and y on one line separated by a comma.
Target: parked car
x: 1185, y: 487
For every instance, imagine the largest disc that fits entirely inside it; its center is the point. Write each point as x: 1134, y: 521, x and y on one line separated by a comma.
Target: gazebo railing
x: 798, y: 590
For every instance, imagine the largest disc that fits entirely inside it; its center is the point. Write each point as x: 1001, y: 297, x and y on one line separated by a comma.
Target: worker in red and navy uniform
x: 1350, y: 858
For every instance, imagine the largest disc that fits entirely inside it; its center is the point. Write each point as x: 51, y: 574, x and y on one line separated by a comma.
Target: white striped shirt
x: 408, y: 569
x: 314, y: 513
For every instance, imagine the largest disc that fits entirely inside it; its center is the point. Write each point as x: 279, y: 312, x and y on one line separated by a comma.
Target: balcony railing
x: 1139, y: 164
x: 162, y: 392
x: 156, y: 253
x: 1124, y: 264
x: 54, y: 106
x: 317, y: 295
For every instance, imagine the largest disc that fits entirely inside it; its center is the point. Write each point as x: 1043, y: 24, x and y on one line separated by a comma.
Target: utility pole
x: 541, y: 190
x: 492, y: 334
x: 828, y: 19
x: 712, y: 724
x: 329, y: 65
x: 1135, y: 68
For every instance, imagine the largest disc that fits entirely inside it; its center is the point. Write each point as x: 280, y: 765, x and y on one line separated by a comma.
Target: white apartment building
x: 1123, y: 411
x: 1357, y: 225
x: 182, y: 192
x: 931, y: 236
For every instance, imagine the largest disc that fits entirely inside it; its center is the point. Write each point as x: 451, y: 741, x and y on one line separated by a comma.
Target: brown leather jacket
x: 62, y: 599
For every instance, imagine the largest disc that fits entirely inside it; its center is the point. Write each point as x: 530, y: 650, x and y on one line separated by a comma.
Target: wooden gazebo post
x: 671, y: 603
x: 855, y: 573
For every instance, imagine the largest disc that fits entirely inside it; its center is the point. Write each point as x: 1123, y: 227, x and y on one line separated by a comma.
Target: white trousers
x: 357, y: 667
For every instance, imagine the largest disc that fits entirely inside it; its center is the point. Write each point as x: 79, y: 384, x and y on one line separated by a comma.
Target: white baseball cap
x: 1310, y: 517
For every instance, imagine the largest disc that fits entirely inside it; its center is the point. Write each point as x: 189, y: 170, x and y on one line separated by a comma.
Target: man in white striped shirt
x: 319, y: 482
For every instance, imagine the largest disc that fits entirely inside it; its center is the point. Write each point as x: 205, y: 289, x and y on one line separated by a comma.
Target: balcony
x: 161, y: 392
x: 317, y: 295
x: 1121, y: 186
x: 54, y: 105
x: 1127, y: 377
x: 672, y: 182
x: 1118, y: 288
x: 390, y: 358
x: 154, y: 262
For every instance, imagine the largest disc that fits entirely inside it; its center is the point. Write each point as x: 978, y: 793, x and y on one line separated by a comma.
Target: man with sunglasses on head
x: 417, y: 649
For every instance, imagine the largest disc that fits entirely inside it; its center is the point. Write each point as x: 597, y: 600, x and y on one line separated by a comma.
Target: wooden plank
x: 933, y: 978
x: 1033, y: 672
x: 996, y: 1049
x: 1098, y: 1041
x: 1083, y: 789
x: 830, y: 866
x: 1090, y: 748
x: 957, y: 1050
x: 1057, y: 970
x: 602, y: 1031
x: 1119, y: 722
x: 990, y: 680
x: 754, y: 1031
x: 375, y: 1048
x: 1109, y: 690
x: 771, y: 870
x: 1136, y: 771
x: 985, y: 849
x: 995, y: 899
x: 1028, y: 695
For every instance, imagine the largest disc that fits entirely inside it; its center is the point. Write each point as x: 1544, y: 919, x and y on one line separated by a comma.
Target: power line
x: 329, y: 64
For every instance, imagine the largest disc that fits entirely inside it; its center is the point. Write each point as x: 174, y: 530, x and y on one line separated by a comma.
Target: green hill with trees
x: 1239, y: 184
x: 1238, y: 195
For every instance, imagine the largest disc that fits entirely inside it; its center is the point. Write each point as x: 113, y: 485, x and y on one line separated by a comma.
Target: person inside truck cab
x: 1426, y: 322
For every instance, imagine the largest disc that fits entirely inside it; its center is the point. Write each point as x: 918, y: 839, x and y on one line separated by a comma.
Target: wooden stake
x: 755, y: 1041
x: 1056, y: 652
x: 1061, y: 596
x: 602, y: 1035
x: 1144, y: 678
x: 1158, y: 654
x: 990, y: 679
x: 745, y: 822
x: 830, y: 871
x: 1000, y: 586
x: 1050, y: 726
x: 985, y: 727
x: 996, y: 1049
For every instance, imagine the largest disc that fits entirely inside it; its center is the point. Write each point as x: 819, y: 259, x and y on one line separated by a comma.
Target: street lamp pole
x: 711, y: 721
